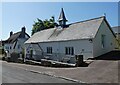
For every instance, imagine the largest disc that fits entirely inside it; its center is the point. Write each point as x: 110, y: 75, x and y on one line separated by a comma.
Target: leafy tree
x: 37, y: 26
x: 45, y: 24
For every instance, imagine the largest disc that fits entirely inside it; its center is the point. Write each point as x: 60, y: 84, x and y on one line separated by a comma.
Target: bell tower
x: 62, y: 19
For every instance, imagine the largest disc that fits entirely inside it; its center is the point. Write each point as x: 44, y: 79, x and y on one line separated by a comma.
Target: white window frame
x: 69, y: 50
x: 49, y: 50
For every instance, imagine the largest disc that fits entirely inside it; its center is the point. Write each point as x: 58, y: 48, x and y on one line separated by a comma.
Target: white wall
x: 7, y: 49
x: 59, y: 47
x: 36, y: 51
x: 109, y: 40
x: 20, y: 42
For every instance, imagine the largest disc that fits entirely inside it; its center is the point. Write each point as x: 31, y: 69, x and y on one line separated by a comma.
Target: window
x: 103, y: 41
x: 66, y: 50
x: 69, y: 50
x: 18, y: 46
x: 10, y: 47
x: 49, y: 50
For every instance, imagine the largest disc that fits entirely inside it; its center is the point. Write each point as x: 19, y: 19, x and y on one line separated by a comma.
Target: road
x: 11, y: 74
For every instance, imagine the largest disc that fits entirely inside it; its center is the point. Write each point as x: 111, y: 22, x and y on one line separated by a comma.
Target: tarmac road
x: 98, y: 72
x: 12, y: 74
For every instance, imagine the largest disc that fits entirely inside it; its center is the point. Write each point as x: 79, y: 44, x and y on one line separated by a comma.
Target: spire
x: 62, y: 19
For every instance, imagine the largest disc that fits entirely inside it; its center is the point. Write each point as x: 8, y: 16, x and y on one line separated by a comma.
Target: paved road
x: 12, y: 74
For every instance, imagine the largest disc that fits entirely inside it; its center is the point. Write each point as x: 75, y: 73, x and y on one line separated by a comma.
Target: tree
x: 37, y: 26
x: 45, y: 24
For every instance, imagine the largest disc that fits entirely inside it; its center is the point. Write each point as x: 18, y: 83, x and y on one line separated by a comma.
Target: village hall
x: 89, y: 38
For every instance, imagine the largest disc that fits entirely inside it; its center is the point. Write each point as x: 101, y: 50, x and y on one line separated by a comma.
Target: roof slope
x: 116, y: 29
x: 79, y: 30
x: 14, y: 37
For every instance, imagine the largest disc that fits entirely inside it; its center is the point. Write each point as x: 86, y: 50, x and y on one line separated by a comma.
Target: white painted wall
x: 7, y: 49
x: 37, y: 53
x: 59, y: 47
x: 20, y: 41
x: 109, y: 42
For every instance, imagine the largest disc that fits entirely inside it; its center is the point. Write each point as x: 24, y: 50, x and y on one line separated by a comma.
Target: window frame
x: 69, y: 50
x: 49, y: 50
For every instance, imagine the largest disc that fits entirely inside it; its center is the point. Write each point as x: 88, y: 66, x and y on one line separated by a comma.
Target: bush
x: 3, y: 58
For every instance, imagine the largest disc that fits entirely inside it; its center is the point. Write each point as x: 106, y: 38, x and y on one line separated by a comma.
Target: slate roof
x: 79, y: 30
x: 116, y: 29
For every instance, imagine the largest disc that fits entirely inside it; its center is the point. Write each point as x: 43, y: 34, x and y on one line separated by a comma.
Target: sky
x: 15, y: 15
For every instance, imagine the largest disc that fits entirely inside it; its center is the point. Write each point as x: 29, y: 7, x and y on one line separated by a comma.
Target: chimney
x: 23, y: 29
x: 11, y: 33
x: 23, y: 32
